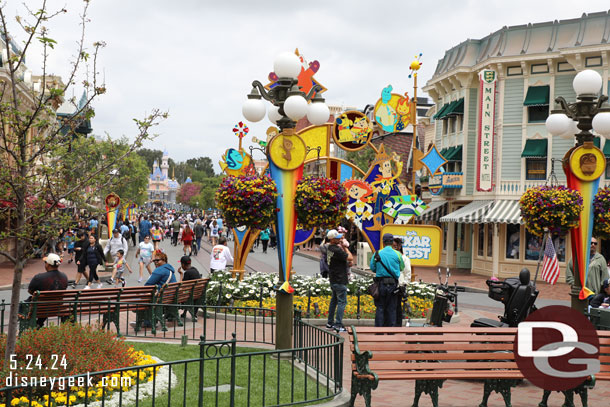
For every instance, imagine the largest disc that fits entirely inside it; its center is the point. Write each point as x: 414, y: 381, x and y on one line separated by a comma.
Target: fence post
x: 2, y: 308
x: 456, y: 297
x: 260, y: 296
x: 219, y: 294
x: 233, y: 352
x: 201, y: 369
x: 308, y: 302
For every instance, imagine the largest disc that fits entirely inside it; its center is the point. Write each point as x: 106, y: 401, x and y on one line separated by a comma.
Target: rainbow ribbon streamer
x: 112, y: 216
x: 285, y: 219
x: 581, y: 235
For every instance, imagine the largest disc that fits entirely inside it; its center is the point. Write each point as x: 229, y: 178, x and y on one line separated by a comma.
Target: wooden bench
x: 75, y: 304
x: 432, y: 355
x: 173, y: 294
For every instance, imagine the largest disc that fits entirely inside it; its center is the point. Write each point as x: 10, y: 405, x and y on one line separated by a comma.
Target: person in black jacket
x: 79, y: 247
x: 92, y: 256
x: 602, y: 300
x: 339, y: 259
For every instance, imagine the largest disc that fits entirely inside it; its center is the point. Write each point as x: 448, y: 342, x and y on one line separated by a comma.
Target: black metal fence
x: 223, y: 375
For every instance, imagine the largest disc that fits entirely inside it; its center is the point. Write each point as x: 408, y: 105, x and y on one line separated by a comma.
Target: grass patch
x: 256, y: 375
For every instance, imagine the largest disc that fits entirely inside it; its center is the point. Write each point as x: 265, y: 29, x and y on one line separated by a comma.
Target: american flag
x: 550, y: 267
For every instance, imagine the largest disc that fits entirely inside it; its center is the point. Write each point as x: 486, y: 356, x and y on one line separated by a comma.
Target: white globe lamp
x: 296, y: 107
x: 253, y: 108
x: 587, y: 82
x: 601, y: 124
x: 274, y: 114
x: 318, y: 113
x: 287, y: 65
x: 558, y: 124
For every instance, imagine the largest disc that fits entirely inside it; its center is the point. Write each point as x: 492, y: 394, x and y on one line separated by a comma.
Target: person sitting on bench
x: 602, y: 300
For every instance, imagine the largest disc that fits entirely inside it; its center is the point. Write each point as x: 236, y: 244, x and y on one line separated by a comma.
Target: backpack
x: 127, y: 233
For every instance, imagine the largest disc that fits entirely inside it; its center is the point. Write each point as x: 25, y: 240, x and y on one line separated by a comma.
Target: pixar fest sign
x: 421, y: 243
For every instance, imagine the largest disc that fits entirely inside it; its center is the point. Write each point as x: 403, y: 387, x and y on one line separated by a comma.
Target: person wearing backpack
x: 116, y: 243
x: 175, y: 230
x: 387, y: 265
x: 199, y: 230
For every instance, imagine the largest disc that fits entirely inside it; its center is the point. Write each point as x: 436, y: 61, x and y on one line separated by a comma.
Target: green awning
x: 449, y: 153
x: 443, y: 152
x: 455, y: 108
x: 535, y: 148
x: 537, y: 96
x: 607, y: 148
x: 456, y: 154
x: 441, y: 111
x: 597, y: 142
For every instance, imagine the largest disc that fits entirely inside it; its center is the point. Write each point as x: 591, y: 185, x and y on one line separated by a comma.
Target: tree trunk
x: 11, y: 338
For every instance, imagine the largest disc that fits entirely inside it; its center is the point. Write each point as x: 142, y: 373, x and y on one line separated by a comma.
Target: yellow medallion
x: 287, y: 151
x: 587, y: 162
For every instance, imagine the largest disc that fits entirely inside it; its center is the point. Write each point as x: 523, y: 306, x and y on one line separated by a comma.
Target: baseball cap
x: 53, y: 259
x: 185, y: 260
x: 333, y: 234
x: 606, y: 283
x: 388, y: 238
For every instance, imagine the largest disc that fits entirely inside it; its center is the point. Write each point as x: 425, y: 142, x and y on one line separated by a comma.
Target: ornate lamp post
x: 583, y: 164
x: 286, y: 154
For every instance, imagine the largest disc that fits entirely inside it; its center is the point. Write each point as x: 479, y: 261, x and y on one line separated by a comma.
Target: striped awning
x: 504, y: 211
x: 435, y: 210
x: 474, y: 212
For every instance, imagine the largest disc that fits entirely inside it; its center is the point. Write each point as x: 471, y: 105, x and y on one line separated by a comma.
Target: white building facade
x: 530, y: 66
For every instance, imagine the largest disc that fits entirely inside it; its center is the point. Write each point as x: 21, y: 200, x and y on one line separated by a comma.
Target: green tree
x: 203, y: 165
x: 205, y: 198
x: 40, y: 167
x: 150, y: 156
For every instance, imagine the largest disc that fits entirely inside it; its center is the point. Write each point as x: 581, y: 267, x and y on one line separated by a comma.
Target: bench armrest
x: 362, y: 358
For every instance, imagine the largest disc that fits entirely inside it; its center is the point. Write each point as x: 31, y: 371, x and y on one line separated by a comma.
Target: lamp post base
x: 284, y: 322
x: 576, y: 303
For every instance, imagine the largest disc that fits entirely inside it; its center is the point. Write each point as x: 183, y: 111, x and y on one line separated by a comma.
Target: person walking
x: 144, y: 228
x: 339, y: 259
x: 144, y: 256
x: 117, y: 242
x: 387, y: 264
x: 187, y: 239
x: 214, y: 233
x: 220, y: 256
x: 175, y: 230
x: 79, y: 247
x: 119, y: 266
x: 598, y: 270
x: 157, y: 235
x: 92, y: 256
x: 199, y: 230
x: 264, y: 235
x: 403, y: 280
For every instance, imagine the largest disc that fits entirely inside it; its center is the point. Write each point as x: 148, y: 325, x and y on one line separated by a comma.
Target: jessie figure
x: 358, y: 208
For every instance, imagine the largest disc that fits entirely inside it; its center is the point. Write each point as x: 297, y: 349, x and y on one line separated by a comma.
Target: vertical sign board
x: 485, y: 142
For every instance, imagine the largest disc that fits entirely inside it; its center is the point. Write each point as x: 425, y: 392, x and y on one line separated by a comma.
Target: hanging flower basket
x: 247, y: 201
x: 320, y: 202
x: 554, y: 207
x: 601, y: 213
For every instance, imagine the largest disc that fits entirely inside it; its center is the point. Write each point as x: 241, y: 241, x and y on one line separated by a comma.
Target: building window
x: 445, y: 126
x: 514, y: 70
x: 490, y: 239
x: 593, y: 61
x: 564, y: 67
x: 512, y: 241
x: 461, y: 123
x: 481, y: 243
x: 560, y: 248
x: 607, y: 170
x: 452, y: 124
x: 537, y: 114
x: 534, y: 246
x: 535, y: 169
x: 539, y: 68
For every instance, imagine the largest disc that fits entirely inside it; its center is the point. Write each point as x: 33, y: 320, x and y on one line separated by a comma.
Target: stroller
x: 518, y: 296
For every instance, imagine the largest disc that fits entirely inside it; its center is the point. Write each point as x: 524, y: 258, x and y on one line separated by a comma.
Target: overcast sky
x: 197, y: 58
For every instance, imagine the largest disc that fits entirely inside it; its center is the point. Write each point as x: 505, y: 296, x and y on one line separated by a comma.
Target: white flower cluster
x: 145, y: 390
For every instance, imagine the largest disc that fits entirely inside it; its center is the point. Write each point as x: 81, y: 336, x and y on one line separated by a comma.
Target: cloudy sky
x: 197, y: 58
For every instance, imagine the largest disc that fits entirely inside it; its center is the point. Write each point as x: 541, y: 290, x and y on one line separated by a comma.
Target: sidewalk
x: 464, y: 278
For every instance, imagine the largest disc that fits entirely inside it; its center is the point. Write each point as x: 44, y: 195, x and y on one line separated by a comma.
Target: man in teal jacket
x: 387, y: 264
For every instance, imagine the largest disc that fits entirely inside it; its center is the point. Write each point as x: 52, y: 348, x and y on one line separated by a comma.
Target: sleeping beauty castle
x: 161, y: 189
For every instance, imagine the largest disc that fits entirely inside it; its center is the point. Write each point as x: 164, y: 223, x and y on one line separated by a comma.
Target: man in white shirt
x: 220, y: 256
x: 117, y: 242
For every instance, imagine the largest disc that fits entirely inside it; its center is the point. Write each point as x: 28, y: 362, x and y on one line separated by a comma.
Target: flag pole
x: 542, y: 248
